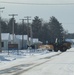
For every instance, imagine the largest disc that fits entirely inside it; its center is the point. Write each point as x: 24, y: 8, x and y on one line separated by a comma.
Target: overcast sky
x: 64, y: 13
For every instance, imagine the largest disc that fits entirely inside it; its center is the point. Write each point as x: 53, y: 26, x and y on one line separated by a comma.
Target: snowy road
x: 59, y: 65
x: 45, y: 64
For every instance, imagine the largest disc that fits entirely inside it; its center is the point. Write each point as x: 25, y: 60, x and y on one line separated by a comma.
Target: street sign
x: 13, y: 46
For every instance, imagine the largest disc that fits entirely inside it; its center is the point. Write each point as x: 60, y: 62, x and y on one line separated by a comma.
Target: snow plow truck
x: 62, y: 46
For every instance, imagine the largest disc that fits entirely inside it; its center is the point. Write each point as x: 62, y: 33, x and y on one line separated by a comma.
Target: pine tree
x: 4, y: 27
x: 36, y: 27
x: 55, y: 28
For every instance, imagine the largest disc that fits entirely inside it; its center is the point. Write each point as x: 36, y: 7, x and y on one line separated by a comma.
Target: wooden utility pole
x: 31, y: 35
x: 13, y: 25
x: 0, y: 28
x: 22, y: 33
x: 28, y: 18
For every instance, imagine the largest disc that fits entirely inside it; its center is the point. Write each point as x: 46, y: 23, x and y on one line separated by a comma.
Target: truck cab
x: 62, y: 45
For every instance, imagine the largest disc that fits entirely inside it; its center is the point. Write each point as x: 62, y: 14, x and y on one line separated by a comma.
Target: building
x: 36, y: 42
x: 5, y: 38
x: 22, y: 43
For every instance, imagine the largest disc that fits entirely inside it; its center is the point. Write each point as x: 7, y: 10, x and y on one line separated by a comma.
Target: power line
x: 37, y: 3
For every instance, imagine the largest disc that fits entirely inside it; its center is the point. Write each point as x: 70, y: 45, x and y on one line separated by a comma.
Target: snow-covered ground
x: 11, y: 59
x: 37, y: 63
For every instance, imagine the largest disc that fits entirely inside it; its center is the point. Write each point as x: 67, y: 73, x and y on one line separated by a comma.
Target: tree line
x: 44, y: 31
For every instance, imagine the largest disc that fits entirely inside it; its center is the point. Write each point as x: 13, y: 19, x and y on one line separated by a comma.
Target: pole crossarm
x: 13, y: 15
x: 2, y: 7
x: 27, y: 18
x: 22, y: 20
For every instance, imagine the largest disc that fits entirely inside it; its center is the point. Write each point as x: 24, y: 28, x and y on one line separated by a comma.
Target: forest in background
x: 44, y: 31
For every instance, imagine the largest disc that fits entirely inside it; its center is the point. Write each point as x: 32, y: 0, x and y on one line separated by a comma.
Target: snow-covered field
x: 37, y: 63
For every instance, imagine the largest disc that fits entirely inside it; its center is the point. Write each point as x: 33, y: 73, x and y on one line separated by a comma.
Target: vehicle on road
x: 62, y: 46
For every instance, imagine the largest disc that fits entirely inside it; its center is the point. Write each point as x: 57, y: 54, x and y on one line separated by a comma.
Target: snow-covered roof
x: 70, y: 40
x: 35, y: 40
x: 9, y: 37
x: 4, y: 36
x: 20, y: 37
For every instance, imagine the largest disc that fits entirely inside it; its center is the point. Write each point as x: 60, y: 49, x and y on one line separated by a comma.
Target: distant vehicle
x: 62, y: 46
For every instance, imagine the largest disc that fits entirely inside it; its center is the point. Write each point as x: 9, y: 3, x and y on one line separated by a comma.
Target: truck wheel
x: 63, y: 49
x: 55, y: 49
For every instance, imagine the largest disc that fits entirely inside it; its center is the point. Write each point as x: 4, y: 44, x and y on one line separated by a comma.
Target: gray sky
x: 64, y: 13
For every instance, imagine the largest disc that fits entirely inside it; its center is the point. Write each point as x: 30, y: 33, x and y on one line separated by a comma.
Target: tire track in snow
x: 35, y: 65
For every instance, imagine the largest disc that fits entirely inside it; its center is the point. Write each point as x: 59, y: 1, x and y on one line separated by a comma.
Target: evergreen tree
x: 55, y: 28
x: 4, y: 27
x: 36, y: 27
x: 45, y: 33
x: 21, y: 29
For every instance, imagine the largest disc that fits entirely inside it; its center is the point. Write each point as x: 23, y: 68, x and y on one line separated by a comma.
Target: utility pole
x: 13, y: 25
x: 28, y: 18
x: 31, y: 35
x: 22, y: 33
x: 0, y: 28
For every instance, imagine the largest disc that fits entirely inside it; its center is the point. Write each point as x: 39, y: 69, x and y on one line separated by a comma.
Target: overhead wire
x: 37, y: 3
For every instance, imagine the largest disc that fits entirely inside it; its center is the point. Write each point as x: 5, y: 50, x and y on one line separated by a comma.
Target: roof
x: 70, y: 40
x: 20, y: 37
x: 9, y: 37
x: 4, y: 36
x: 35, y: 40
